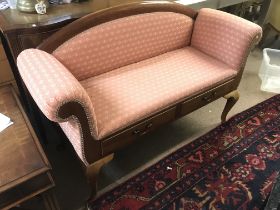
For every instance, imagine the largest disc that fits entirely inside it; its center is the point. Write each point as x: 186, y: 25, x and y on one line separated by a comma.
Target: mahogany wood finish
x: 98, y: 150
x: 232, y: 98
x: 25, y: 170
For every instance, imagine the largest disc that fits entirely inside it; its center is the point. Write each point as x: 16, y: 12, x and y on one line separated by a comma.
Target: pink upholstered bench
x: 117, y: 74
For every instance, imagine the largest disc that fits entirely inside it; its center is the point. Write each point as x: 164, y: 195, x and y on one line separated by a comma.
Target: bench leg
x: 92, y: 172
x: 232, y: 98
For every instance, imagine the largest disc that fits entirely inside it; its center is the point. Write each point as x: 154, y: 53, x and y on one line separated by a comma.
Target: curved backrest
x: 112, y: 38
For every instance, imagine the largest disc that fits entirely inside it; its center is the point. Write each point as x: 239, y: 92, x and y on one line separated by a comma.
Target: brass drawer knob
x: 210, y: 97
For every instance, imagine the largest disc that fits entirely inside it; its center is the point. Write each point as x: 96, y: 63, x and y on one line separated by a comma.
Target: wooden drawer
x: 206, y: 97
x: 29, y: 188
x: 6, y: 74
x: 130, y: 134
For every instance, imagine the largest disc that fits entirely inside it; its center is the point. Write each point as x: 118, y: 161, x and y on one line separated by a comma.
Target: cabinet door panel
x: 33, y: 40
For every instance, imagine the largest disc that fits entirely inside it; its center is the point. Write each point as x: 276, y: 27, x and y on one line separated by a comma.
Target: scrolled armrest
x: 51, y: 85
x: 224, y: 36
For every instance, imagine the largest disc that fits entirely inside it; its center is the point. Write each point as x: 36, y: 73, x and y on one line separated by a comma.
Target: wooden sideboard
x: 25, y: 170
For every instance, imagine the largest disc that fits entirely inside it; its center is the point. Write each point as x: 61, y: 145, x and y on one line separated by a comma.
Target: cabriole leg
x: 232, y: 98
x: 93, y: 170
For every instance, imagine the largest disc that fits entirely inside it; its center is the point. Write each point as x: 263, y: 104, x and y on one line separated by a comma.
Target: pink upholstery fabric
x: 224, y: 36
x: 124, y: 41
x: 72, y: 131
x: 51, y: 85
x: 133, y: 92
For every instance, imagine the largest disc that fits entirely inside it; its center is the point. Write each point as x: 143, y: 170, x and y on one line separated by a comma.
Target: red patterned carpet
x: 231, y: 167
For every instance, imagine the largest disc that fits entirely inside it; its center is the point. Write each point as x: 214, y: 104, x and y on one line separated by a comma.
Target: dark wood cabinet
x: 25, y: 169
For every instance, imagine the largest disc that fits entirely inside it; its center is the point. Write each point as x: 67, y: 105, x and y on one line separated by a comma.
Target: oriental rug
x: 233, y: 166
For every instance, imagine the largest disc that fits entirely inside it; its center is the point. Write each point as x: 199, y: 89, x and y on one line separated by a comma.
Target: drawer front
x: 25, y: 190
x: 6, y: 74
x: 207, y: 97
x: 130, y: 134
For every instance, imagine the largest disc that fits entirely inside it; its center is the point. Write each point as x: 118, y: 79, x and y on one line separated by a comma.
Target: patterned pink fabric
x: 133, y: 92
x: 124, y: 41
x: 51, y: 85
x: 224, y: 36
x: 72, y: 131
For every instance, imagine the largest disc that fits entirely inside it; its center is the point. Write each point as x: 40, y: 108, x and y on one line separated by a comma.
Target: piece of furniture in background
x: 24, y: 168
x: 274, y: 14
x: 6, y: 75
x: 107, y: 87
x: 272, y: 22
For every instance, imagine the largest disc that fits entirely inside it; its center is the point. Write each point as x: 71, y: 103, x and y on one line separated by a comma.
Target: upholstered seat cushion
x: 131, y: 93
